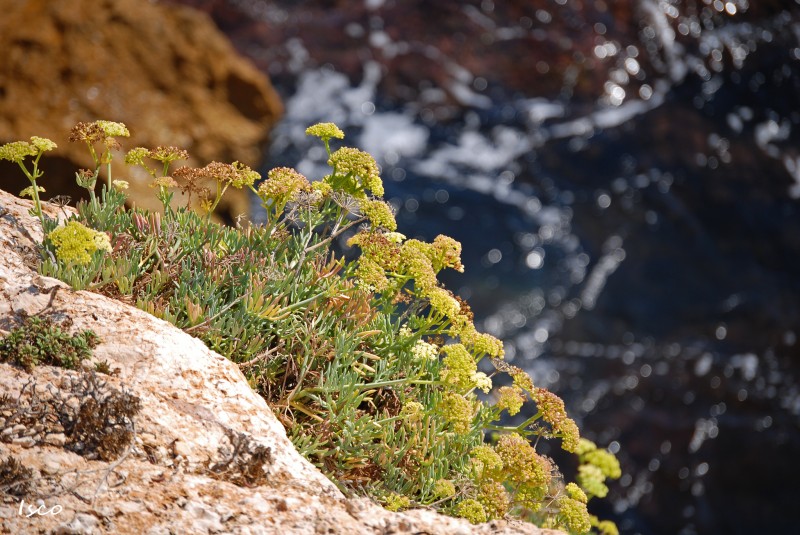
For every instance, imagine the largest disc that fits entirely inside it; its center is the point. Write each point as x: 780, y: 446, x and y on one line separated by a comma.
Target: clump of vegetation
x: 372, y: 364
x: 244, y: 461
x: 39, y: 340
x: 101, y: 425
x: 96, y: 420
x: 15, y: 478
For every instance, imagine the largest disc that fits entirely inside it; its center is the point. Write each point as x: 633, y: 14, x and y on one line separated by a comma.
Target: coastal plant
x: 375, y: 368
x: 41, y: 341
x: 18, y: 152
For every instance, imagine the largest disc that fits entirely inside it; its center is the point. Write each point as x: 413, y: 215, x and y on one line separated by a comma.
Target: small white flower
x: 425, y: 351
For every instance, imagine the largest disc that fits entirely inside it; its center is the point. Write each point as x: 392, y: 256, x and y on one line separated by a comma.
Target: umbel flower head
x: 112, y: 129
x: 472, y: 510
x: 424, y: 351
x: 573, y: 514
x: 167, y: 154
x: 236, y: 174
x: 357, y: 164
x: 494, y: 498
x: 17, y: 151
x: 525, y: 468
x: 486, y: 463
x: 444, y: 488
x: 553, y: 412
x: 75, y: 242
x: 104, y: 131
x: 459, y: 367
x: 458, y: 411
x: 283, y: 184
x: 379, y: 213
x: 510, y: 398
x: 325, y: 131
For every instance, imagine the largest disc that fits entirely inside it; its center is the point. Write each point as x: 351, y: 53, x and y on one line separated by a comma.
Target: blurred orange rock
x: 164, y: 71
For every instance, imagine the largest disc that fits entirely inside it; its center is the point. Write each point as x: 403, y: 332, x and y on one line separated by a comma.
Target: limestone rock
x: 194, y: 405
x: 164, y: 71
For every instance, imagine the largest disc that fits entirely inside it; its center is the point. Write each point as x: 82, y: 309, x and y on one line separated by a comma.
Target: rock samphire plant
x: 371, y: 364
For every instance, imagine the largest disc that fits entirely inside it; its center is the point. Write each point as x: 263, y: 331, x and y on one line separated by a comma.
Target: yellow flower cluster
x: 397, y: 502
x: 482, y: 343
x: 378, y: 248
x: 379, y: 213
x: 486, y: 462
x: 17, y: 151
x: 322, y: 188
x: 494, y: 498
x: 112, y: 129
x: 395, y: 237
x: 596, y: 466
x: 573, y: 515
x: 244, y: 175
x: 514, y: 463
x: 576, y: 493
x: 444, y: 488
x: 458, y: 367
x: 525, y: 469
x: 592, y: 480
x: 472, y: 510
x: 104, y: 131
x: 446, y: 253
x: 604, y: 527
x: 553, y: 412
x: 379, y: 257
x: 443, y: 302
x: 75, y: 242
x: 43, y: 144
x: 164, y: 182
x: 325, y: 131
x: 167, y: 154
x: 236, y: 174
x: 602, y: 459
x: 458, y: 411
x: 283, y: 184
x: 371, y: 276
x: 354, y: 163
x: 510, y: 398
x: 521, y: 379
x: 412, y: 413
x: 417, y: 265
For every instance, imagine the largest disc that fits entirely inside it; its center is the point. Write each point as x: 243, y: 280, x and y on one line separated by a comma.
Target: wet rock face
x: 196, y: 450
x: 164, y: 71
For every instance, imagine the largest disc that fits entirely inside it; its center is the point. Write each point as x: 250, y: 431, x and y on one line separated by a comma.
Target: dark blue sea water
x: 631, y: 230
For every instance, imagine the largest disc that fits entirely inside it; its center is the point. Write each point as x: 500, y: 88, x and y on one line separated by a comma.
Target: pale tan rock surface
x: 166, y: 72
x: 193, y: 403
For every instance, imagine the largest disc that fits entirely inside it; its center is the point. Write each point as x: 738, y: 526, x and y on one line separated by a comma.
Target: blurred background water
x: 624, y: 177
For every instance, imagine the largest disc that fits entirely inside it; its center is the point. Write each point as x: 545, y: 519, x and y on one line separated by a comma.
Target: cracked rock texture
x: 164, y: 71
x: 206, y: 453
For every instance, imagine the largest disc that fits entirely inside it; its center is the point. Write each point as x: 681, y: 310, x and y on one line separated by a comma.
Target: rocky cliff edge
x: 206, y: 455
